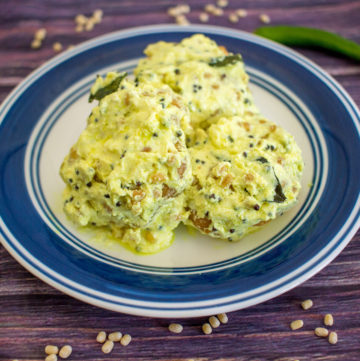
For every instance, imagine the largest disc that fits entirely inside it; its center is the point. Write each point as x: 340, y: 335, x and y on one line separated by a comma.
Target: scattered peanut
x: 115, y: 336
x: 295, y: 325
x: 40, y: 34
x: 185, y: 9
x: 204, y: 17
x: 264, y: 18
x: 328, y: 320
x: 321, y: 332
x: 51, y: 349
x: 97, y: 16
x: 209, y: 8
x: 79, y: 28
x: 233, y: 18
x: 307, y: 304
x: 182, y: 20
x: 65, y: 351
x: 35, y: 44
x: 51, y: 357
x: 218, y: 12
x: 98, y: 13
x: 223, y: 318
x: 212, y: 9
x: 214, y: 321
x: 241, y: 13
x: 222, y: 3
x: 125, y: 340
x: 101, y: 337
x: 175, y: 327
x: 206, y: 328
x: 333, y: 338
x: 57, y: 46
x: 178, y: 10
x: 89, y: 25
x: 80, y: 19
x: 107, y: 347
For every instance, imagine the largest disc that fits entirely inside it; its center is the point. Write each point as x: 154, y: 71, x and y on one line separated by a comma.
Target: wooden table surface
x: 32, y: 314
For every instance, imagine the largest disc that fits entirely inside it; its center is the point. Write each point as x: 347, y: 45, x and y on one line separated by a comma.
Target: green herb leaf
x: 262, y: 160
x: 225, y: 60
x: 279, y: 197
x: 108, y: 89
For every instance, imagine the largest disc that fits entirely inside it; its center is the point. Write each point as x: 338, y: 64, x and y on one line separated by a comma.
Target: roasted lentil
x: 35, y: 44
x: 51, y: 357
x: 65, y: 351
x: 233, y: 18
x: 222, y: 3
x: 107, y: 347
x: 307, y: 304
x: 223, y: 318
x: 51, y: 349
x: 295, y: 325
x: 101, y: 337
x: 206, y: 328
x: 321, y: 332
x: 328, y: 320
x: 214, y: 322
x: 204, y: 17
x: 175, y: 328
x: 115, y: 336
x: 264, y: 18
x: 241, y: 13
x: 57, y: 46
x: 125, y: 340
x: 182, y: 20
x: 333, y: 338
x: 40, y: 34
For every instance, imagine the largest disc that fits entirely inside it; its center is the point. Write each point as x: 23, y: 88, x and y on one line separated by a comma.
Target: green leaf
x: 279, y: 196
x: 262, y: 160
x: 108, y: 89
x: 225, y: 60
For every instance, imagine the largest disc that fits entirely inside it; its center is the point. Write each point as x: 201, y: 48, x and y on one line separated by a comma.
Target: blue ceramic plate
x: 197, y: 275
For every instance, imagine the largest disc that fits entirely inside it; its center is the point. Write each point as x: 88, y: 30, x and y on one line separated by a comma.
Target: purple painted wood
x: 33, y: 314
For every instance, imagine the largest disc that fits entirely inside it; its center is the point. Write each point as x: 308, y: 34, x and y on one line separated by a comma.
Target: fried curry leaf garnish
x: 108, y: 89
x: 225, y: 60
x: 279, y: 197
x: 262, y: 160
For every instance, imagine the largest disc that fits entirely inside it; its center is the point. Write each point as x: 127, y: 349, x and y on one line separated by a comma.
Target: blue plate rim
x: 275, y: 240
x: 321, y: 74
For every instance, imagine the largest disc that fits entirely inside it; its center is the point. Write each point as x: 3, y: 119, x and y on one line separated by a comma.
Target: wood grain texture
x: 32, y: 314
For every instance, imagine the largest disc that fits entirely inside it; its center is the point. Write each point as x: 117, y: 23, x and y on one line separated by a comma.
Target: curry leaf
x: 108, y: 89
x: 225, y: 60
x: 262, y: 160
x: 279, y: 197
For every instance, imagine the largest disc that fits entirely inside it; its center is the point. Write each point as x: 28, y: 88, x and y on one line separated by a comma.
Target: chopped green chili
x: 310, y: 37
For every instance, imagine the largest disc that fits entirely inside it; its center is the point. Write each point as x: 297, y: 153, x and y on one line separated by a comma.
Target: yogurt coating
x: 183, y: 142
x: 247, y: 170
x: 212, y: 82
x: 130, y: 165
